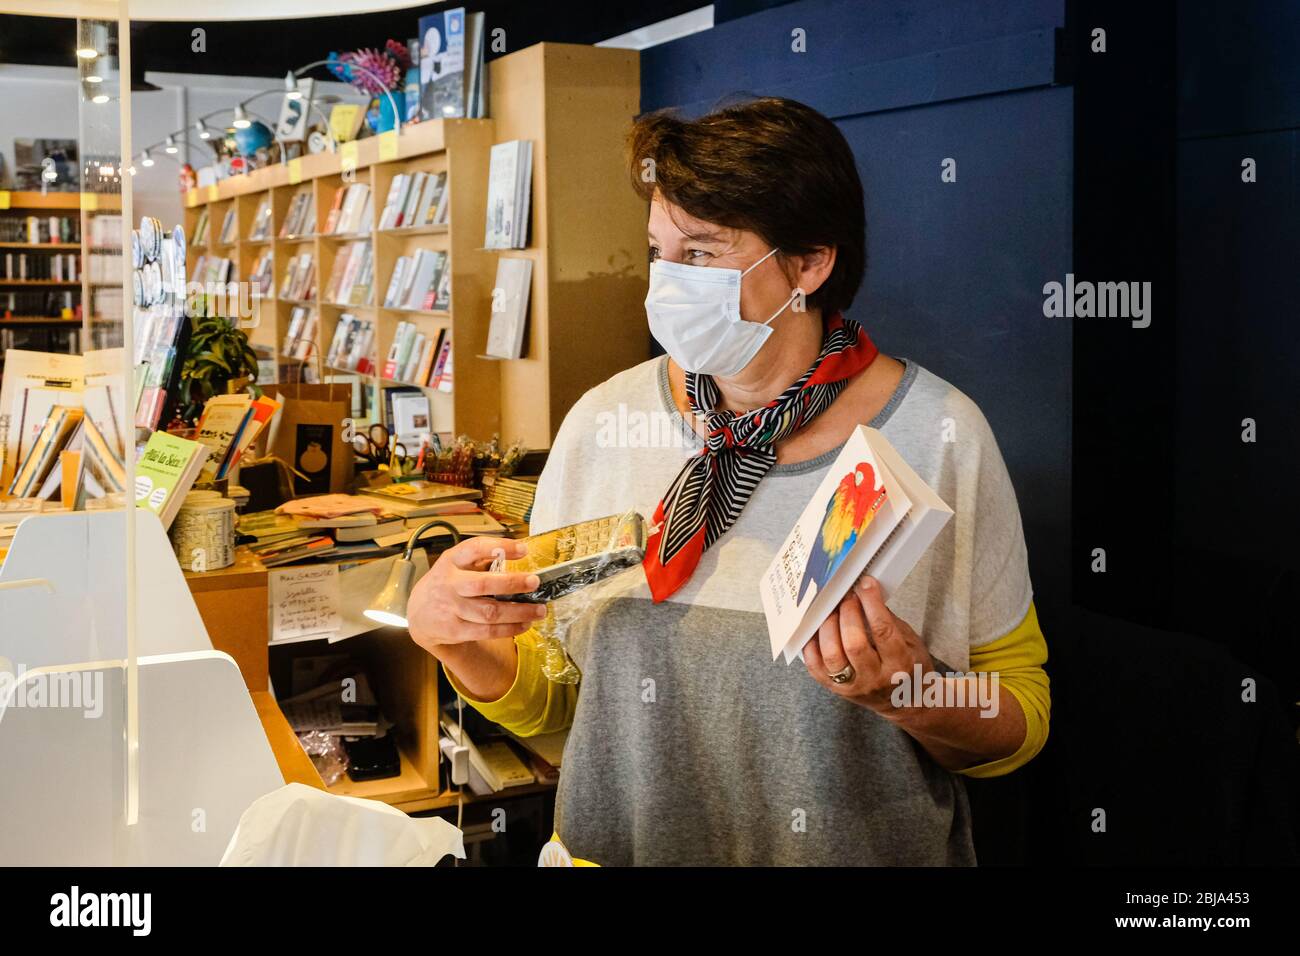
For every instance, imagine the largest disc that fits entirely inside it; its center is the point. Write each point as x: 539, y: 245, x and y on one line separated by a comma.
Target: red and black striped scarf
x: 707, y: 496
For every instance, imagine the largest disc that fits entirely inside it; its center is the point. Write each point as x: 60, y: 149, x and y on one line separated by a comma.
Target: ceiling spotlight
x: 202, y: 129
x: 87, y: 52
x: 171, y: 146
x: 92, y: 78
x: 241, y: 118
x: 291, y: 91
x: 145, y: 159
x: 99, y: 98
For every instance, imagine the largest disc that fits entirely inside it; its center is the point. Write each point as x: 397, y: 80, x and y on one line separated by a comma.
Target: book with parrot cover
x: 871, y: 514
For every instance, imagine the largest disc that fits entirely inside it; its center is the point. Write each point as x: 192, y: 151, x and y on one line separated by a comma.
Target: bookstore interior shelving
x: 586, y: 244
x: 273, y: 197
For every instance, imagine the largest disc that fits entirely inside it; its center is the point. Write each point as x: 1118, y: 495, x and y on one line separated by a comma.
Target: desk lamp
x: 389, y: 605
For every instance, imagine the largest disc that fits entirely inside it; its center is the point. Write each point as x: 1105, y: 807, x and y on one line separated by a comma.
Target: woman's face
x: 676, y: 236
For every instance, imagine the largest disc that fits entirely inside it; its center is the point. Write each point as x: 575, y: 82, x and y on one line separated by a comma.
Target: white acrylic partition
x: 204, y: 759
x: 80, y: 615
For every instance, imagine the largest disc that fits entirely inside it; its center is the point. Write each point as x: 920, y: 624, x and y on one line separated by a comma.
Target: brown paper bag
x: 309, y: 434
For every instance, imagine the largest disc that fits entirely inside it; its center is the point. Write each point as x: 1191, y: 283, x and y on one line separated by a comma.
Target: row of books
x: 213, y: 269
x: 201, y: 229
x: 261, y: 277
x: 299, y: 278
x: 300, y: 220
x: 351, y: 211
x: 228, y: 227
x: 228, y: 426
x: 105, y: 233
x: 43, y: 303
x: 419, y: 359
x: 104, y: 266
x: 420, y: 282
x: 300, y: 340
x: 350, y: 348
x: 261, y: 228
x: 415, y: 199
x: 352, y: 277
x: 58, y: 267
x: 39, y: 229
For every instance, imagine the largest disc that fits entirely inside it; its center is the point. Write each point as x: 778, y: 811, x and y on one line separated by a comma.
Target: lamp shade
x: 389, y: 605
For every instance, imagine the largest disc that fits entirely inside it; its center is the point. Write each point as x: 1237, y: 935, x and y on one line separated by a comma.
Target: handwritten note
x: 304, y: 602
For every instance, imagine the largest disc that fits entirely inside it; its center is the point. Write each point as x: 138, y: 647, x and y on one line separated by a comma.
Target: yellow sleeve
x: 533, y: 704
x: 1018, y: 660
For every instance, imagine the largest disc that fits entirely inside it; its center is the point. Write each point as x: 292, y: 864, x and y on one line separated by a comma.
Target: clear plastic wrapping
x: 580, y: 566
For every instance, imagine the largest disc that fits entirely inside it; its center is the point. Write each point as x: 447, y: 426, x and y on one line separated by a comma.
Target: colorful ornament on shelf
x: 377, y: 73
x: 189, y: 179
x: 252, y: 138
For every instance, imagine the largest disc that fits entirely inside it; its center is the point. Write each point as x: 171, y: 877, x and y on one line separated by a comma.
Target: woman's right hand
x: 451, y: 605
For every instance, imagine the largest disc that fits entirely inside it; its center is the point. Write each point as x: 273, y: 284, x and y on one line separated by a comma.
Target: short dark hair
x: 771, y: 166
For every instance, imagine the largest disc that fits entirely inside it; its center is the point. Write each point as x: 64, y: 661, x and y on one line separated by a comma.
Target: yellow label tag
x: 212, y: 193
x: 388, y: 145
x: 4, y: 199
x: 90, y: 201
x: 295, y: 171
x: 348, y: 153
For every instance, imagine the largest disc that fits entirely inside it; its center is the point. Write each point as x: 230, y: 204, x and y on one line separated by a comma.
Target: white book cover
x: 509, y: 308
x: 503, y: 171
x: 871, y: 514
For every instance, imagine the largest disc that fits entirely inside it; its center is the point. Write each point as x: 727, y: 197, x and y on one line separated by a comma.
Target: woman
x: 688, y: 744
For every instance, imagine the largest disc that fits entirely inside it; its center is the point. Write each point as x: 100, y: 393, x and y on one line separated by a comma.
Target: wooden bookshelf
x: 461, y: 147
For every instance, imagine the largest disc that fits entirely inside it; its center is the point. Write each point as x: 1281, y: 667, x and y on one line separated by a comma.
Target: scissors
x: 376, y: 448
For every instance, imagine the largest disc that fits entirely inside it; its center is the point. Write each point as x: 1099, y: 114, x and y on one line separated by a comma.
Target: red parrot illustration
x: 848, y: 512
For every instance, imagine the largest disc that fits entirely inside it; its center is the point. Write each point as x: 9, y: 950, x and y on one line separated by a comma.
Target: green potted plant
x: 218, y: 354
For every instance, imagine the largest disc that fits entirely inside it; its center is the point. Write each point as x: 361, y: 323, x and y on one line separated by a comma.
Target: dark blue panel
x: 755, y: 52
x: 1238, y: 348
x: 1237, y: 66
x: 955, y: 273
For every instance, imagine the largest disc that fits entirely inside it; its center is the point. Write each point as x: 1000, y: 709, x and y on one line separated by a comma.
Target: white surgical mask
x: 694, y: 312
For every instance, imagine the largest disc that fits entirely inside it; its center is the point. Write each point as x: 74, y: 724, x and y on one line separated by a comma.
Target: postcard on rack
x: 872, y: 514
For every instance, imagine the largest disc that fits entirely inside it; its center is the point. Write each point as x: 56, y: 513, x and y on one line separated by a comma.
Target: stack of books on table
x: 415, y: 199
x: 300, y: 220
x: 421, y: 282
x: 299, y: 278
x: 350, y: 348
x: 352, y: 276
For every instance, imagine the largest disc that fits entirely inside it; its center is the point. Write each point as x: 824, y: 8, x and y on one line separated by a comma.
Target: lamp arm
x: 415, y: 536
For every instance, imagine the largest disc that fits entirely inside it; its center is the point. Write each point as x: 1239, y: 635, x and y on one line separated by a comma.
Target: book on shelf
x: 351, y: 211
x: 872, y: 514
x: 228, y: 227
x: 223, y: 419
x: 509, y: 308
x: 299, y: 278
x: 438, y: 299
x: 442, y: 64
x: 510, y: 177
x: 433, y: 206
x: 440, y: 378
x: 165, y: 473
x: 412, y: 419
x: 261, y: 228
x: 300, y: 219
x: 200, y: 237
x: 353, y: 273
x: 350, y: 347
x: 261, y: 277
x: 300, y: 340
x: 420, y: 275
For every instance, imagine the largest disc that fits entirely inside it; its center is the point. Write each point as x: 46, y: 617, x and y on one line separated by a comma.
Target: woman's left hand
x: 866, y: 636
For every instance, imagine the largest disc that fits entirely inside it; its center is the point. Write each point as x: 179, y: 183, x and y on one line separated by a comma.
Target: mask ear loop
x: 793, y: 295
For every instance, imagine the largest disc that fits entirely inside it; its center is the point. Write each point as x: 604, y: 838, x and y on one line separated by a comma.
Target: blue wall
x: 955, y: 271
